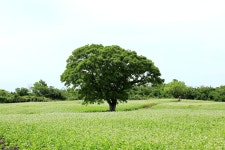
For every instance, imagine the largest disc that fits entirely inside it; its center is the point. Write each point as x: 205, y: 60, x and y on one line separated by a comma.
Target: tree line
x: 41, y: 92
x: 177, y: 88
x: 97, y: 73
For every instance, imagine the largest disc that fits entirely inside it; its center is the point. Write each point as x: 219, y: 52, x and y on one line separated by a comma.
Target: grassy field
x: 149, y: 124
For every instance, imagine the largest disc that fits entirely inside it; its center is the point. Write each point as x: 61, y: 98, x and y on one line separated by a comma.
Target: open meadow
x: 143, y: 124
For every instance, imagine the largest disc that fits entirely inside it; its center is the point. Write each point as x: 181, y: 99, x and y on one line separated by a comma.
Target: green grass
x: 69, y: 125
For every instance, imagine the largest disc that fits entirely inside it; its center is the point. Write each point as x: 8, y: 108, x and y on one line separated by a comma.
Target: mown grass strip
x: 67, y: 106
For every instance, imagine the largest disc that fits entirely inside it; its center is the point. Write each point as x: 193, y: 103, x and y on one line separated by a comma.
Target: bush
x: 5, y: 96
x: 19, y: 99
x: 218, y: 94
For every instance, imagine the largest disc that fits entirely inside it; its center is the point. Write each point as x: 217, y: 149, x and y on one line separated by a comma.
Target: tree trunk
x: 112, y: 105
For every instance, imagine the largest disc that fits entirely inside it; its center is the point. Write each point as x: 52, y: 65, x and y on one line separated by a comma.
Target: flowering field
x: 149, y: 124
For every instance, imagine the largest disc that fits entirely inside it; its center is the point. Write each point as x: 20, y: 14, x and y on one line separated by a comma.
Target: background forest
x: 41, y: 91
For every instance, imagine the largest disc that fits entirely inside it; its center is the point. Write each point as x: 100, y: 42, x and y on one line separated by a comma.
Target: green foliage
x: 167, y: 125
x: 72, y: 94
x: 4, y: 93
x: 29, y: 98
x: 40, y: 92
x: 4, y: 145
x: 107, y: 73
x: 175, y: 88
x: 41, y: 89
x: 5, y: 96
x: 22, y: 91
x: 204, y: 93
x: 190, y: 93
x: 146, y: 92
x: 14, y: 98
x: 218, y: 94
x: 55, y: 94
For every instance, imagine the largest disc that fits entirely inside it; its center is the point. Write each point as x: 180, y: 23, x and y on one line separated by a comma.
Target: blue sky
x: 185, y: 39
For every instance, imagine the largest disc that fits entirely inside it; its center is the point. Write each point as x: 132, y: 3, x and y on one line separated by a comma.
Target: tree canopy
x: 176, y: 88
x: 41, y: 88
x: 107, y: 73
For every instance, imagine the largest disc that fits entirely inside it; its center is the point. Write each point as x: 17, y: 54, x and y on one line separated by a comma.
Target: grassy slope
x: 70, y: 125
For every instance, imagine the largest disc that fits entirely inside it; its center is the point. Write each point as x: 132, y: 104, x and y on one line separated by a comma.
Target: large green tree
x: 107, y: 73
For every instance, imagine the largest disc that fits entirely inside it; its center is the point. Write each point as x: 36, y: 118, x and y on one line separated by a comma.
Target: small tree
x: 40, y: 88
x: 22, y: 91
x: 175, y: 88
x: 5, y: 96
x: 107, y: 73
x: 218, y: 94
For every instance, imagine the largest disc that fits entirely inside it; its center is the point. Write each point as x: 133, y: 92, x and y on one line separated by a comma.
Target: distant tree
x: 40, y: 88
x: 204, y: 93
x: 107, y: 73
x: 4, y: 93
x: 22, y: 91
x: 175, y: 88
x: 218, y: 94
x: 191, y: 93
x: 72, y: 94
x: 157, y: 91
x: 5, y: 96
x: 54, y: 93
x: 146, y: 92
